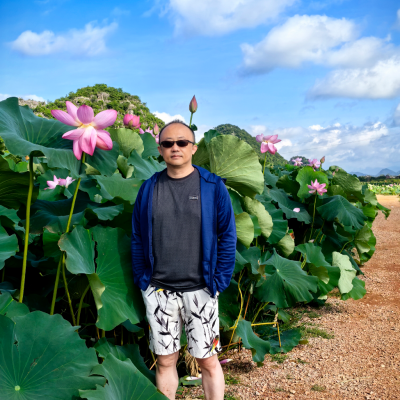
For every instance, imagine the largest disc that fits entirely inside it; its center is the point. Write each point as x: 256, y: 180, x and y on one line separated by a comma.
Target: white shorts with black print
x: 166, y: 312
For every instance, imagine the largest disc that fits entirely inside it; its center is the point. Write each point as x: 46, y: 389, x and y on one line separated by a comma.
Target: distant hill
x: 387, y: 171
x: 101, y: 97
x: 228, y: 129
x: 357, y: 173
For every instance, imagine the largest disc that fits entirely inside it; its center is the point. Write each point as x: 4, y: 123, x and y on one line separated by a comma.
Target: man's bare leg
x: 213, y: 377
x: 167, y: 380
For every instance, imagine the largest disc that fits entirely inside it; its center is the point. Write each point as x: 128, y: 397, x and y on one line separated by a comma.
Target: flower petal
x: 87, y: 141
x: 104, y: 140
x: 271, y: 148
x: 72, y: 111
x: 260, y: 138
x: 74, y: 134
x: 85, y: 114
x: 273, y: 138
x: 297, y: 209
x: 63, y: 117
x: 77, y: 149
x: 264, y: 147
x: 104, y: 119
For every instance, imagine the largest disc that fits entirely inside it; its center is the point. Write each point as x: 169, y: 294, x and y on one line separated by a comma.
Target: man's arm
x: 137, y: 253
x: 226, y: 232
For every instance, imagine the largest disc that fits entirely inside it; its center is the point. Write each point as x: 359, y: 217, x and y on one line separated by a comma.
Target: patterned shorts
x: 166, y: 312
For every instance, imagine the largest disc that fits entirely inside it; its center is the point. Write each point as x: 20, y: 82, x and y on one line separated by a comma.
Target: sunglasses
x: 169, y: 143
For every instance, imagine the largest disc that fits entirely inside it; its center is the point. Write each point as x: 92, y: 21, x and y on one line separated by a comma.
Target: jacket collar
x: 206, y: 175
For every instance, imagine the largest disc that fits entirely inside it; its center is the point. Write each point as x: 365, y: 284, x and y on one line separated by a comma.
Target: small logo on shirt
x: 193, y: 197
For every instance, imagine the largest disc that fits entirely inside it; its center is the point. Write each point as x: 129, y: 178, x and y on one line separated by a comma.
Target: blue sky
x: 323, y: 75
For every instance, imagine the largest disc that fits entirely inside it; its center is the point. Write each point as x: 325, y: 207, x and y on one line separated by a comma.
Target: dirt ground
x: 361, y: 361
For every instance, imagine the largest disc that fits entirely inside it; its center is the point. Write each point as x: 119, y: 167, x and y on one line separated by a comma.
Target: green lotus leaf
x: 288, y: 185
x: 124, y: 167
x: 125, y: 381
x: 334, y: 276
x: 315, y: 260
x: 254, y: 207
x: 117, y: 187
x: 236, y: 201
x: 305, y: 176
x: 117, y: 298
x: 340, y: 208
x: 286, y: 284
x: 289, y: 338
x: 286, y: 245
x: 14, y: 188
x: 370, y: 197
x: 358, y: 291
x: 127, y: 140
x: 43, y: 357
x: 257, y: 228
x: 336, y: 190
x: 280, y: 225
x: 150, y: 146
x: 235, y: 160
x: 254, y: 262
x: 131, y: 351
x: 79, y: 247
x: 347, y: 272
x: 349, y: 183
x: 211, y: 134
x: 26, y: 134
x: 270, y: 178
x: 8, y: 246
x: 229, y: 305
x: 287, y: 205
x: 369, y: 210
x: 364, y: 257
x: 386, y: 211
x: 104, y: 212
x: 9, y: 218
x: 201, y: 156
x: 144, y: 169
x: 11, y: 308
x: 361, y: 240
x: 259, y: 347
x: 54, y: 215
x: 244, y: 228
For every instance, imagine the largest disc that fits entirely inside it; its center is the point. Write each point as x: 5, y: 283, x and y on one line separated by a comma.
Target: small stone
x: 383, y: 366
x: 293, y: 391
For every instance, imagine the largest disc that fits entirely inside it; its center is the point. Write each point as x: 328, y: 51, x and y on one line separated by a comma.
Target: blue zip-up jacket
x: 218, y: 232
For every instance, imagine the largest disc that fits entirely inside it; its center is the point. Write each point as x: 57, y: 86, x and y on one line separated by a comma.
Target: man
x: 183, y: 255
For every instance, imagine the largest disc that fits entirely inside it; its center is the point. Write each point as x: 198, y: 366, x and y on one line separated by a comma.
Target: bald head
x: 174, y: 126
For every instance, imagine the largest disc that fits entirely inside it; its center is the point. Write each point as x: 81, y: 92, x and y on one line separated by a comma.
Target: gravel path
x: 361, y: 361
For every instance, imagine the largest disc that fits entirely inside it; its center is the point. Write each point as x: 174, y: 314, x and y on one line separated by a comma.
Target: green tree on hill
x: 102, y: 97
x: 228, y: 129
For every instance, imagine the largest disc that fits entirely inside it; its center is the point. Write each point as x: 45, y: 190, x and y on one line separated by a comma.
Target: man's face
x: 176, y: 155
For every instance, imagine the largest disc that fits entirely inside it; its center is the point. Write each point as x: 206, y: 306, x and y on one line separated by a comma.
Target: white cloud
x: 396, y: 116
x: 217, y: 17
x: 379, y: 82
x: 167, y: 117
x: 119, y: 12
x: 316, y: 39
x: 88, y: 42
x: 24, y: 96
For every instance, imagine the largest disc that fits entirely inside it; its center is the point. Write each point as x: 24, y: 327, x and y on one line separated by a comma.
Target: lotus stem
x: 53, y: 302
x: 190, y: 123
x: 28, y: 214
x: 80, y: 304
x: 240, y: 313
x: 245, y: 311
x: 67, y: 291
x: 260, y: 308
x: 313, y: 216
x: 265, y: 159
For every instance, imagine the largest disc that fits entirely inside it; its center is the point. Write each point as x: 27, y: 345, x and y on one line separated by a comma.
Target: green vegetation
x: 318, y: 388
x: 228, y: 129
x: 102, y: 97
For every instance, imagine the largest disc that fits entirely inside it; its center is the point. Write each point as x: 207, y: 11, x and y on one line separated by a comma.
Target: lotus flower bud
x: 127, y: 119
x: 193, y: 105
x: 132, y: 121
x: 156, y: 129
x: 322, y: 160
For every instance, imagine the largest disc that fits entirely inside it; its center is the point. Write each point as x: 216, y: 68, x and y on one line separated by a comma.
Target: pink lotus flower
x: 314, y: 163
x: 156, y: 129
x: 193, y: 105
x: 59, y: 182
x: 297, y: 161
x: 317, y: 187
x: 148, y: 130
x: 297, y: 209
x: 132, y: 121
x: 90, y: 133
x: 267, y: 143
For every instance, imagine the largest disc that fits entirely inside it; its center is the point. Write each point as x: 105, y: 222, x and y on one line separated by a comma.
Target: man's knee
x: 167, y: 361
x: 209, y: 363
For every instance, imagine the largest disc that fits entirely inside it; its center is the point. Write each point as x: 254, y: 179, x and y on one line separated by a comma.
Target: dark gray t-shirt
x: 176, y: 220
